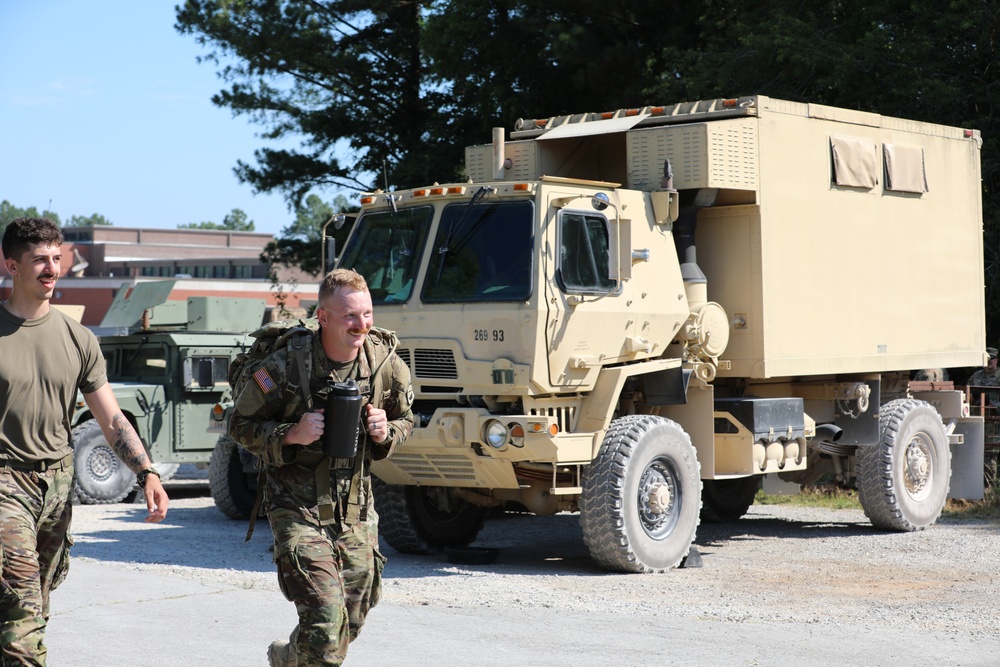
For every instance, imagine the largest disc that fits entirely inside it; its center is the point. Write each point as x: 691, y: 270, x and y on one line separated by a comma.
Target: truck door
x: 590, y: 318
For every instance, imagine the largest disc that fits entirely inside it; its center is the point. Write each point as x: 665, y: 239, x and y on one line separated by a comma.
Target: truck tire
x: 727, y: 499
x: 903, y: 480
x: 641, y: 498
x: 233, y: 490
x: 425, y: 519
x: 101, y: 477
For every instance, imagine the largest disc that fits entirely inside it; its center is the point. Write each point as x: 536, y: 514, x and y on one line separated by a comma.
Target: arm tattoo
x: 127, y: 445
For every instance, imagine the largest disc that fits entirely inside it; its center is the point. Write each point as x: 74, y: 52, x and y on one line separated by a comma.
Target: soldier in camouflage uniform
x: 45, y: 358
x: 988, y: 376
x: 320, y: 508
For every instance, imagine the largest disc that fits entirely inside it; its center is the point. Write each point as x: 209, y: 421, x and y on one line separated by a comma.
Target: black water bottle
x: 342, y: 420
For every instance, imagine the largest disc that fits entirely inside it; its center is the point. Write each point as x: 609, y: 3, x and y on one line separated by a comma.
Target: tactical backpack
x: 297, y: 335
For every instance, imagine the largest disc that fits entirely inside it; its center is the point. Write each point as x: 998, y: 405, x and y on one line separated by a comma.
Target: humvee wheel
x: 233, y: 490
x: 101, y: 477
x: 903, y: 480
x: 727, y: 499
x: 425, y: 519
x: 641, y: 496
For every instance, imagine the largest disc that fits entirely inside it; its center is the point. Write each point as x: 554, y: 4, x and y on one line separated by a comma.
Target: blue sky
x: 105, y: 109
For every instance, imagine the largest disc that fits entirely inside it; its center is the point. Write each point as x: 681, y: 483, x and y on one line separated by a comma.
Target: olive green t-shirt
x: 42, y: 364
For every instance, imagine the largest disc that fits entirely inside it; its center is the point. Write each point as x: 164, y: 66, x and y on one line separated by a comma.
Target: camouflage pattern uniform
x: 35, y: 555
x: 327, y: 559
x: 984, y: 377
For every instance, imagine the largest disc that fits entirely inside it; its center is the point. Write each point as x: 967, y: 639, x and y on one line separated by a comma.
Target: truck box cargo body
x: 638, y: 315
x: 794, y: 256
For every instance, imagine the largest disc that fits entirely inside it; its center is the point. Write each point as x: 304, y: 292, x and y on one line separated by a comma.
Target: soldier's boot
x: 281, y: 653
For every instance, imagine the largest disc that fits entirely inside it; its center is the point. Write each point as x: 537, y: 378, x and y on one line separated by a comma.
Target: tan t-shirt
x: 42, y: 364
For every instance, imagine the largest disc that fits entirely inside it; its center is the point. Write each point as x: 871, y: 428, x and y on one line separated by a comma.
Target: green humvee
x: 168, y: 372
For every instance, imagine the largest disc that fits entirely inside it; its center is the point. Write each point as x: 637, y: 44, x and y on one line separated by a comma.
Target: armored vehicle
x: 167, y: 374
x: 640, y: 315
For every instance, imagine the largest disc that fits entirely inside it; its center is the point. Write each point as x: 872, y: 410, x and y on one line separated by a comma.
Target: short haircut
x: 22, y: 233
x: 338, y: 278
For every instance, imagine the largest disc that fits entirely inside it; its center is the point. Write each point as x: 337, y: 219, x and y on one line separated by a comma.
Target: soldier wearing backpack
x: 320, y: 508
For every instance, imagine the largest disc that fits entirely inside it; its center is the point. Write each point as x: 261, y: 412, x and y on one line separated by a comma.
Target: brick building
x: 99, y: 260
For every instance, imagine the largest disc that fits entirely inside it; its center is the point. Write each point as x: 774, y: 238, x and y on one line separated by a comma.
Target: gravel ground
x: 812, y: 573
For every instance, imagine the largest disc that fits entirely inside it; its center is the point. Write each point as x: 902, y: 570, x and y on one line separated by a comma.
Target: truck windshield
x: 385, y: 248
x: 481, y: 253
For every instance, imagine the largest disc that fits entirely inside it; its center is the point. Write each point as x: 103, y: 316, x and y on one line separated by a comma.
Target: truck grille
x: 434, y: 364
x: 565, y: 416
x: 441, y: 467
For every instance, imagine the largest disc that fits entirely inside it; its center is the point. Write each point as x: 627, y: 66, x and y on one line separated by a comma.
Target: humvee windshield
x: 482, y: 252
x: 386, y: 250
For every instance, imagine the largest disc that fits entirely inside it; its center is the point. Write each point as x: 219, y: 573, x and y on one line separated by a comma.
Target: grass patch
x: 826, y: 497
x: 834, y: 498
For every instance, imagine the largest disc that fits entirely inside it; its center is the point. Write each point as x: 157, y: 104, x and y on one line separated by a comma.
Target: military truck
x: 640, y: 315
x: 167, y: 370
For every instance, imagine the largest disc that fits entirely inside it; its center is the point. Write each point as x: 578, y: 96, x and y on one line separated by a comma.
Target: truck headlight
x: 494, y: 433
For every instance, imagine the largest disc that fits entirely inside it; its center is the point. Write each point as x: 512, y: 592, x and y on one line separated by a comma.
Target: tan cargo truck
x: 641, y: 314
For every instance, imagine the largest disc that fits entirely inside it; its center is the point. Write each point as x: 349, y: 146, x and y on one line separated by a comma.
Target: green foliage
x: 236, y: 220
x: 10, y: 212
x: 347, y: 77
x: 299, y: 245
x: 88, y: 221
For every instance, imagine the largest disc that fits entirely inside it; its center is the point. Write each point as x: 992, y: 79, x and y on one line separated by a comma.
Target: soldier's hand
x: 307, y: 430
x: 156, y: 500
x: 377, y: 423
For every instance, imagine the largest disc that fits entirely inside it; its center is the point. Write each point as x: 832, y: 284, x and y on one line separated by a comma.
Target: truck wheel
x: 641, y: 496
x: 727, y: 499
x: 101, y: 477
x: 233, y: 490
x: 903, y: 480
x: 425, y: 519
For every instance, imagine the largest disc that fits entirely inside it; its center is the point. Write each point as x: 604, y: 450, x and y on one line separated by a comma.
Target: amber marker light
x: 516, y: 434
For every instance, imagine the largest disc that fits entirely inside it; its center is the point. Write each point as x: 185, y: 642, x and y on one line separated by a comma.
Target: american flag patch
x: 264, y: 381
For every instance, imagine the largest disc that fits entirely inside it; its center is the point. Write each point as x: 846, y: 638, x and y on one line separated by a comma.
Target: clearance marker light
x: 367, y: 200
x: 420, y: 193
x: 516, y: 434
x: 728, y: 104
x: 520, y: 187
x: 456, y: 190
x: 437, y: 191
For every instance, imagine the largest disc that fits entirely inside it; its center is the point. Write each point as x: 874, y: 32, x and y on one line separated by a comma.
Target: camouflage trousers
x: 35, y: 514
x: 333, y: 576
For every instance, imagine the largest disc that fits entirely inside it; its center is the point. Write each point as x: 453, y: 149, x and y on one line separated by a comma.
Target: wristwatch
x: 140, y: 479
